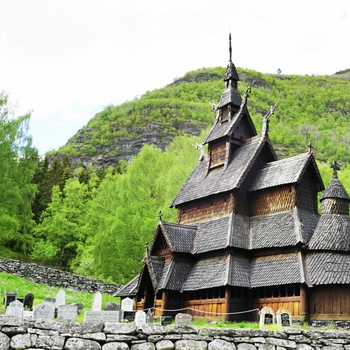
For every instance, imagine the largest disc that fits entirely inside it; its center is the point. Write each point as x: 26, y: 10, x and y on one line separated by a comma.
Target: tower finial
x: 230, y: 47
x: 335, y: 166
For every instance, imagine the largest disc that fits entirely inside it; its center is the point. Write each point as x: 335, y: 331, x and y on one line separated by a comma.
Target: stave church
x: 248, y: 232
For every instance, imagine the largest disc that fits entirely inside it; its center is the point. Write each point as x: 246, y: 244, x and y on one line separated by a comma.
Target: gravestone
x: 127, y: 304
x: 165, y: 320
x: 127, y: 309
x: 27, y: 314
x: 97, y: 302
x: 43, y: 311
x: 267, y: 317
x: 28, y: 302
x: 15, y: 308
x: 67, y: 313
x: 140, y: 318
x: 10, y: 296
x: 60, y: 298
x: 283, y: 318
x: 112, y: 306
x: 93, y: 316
x: 149, y: 316
x: 101, y: 316
x: 182, y: 319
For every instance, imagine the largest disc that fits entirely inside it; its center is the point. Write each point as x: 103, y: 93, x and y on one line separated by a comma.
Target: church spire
x: 231, y: 72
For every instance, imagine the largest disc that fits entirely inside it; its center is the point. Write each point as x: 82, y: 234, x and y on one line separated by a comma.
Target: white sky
x: 65, y: 60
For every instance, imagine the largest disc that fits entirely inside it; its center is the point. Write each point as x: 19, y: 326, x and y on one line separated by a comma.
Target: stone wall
x: 18, y: 333
x: 55, y: 278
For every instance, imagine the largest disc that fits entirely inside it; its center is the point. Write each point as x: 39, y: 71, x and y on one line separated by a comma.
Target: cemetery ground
x: 12, y: 283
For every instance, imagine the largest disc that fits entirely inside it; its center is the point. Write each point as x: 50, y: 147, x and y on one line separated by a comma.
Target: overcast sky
x: 65, y: 60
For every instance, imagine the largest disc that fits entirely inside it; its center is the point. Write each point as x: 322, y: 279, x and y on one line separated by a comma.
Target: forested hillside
x: 91, y: 206
x: 310, y: 109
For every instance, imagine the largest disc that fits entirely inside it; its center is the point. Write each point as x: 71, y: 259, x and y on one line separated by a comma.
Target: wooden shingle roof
x: 128, y: 290
x: 328, y: 268
x: 277, y: 270
x: 285, y: 171
x: 282, y: 229
x: 179, y: 237
x: 220, y: 130
x: 175, y: 275
x: 212, y: 235
x: 335, y: 189
x: 332, y: 233
x: 218, y: 272
x: 201, y: 184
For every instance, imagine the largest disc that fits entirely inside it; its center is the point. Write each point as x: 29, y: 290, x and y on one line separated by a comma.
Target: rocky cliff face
x: 126, y: 148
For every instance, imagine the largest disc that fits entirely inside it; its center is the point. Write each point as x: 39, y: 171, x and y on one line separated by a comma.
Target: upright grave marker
x: 140, y: 318
x: 127, y: 309
x: 28, y: 302
x: 267, y: 316
x: 60, y: 298
x: 182, y: 319
x: 283, y: 318
x: 15, y: 308
x: 97, y: 302
x: 67, y: 313
x: 43, y: 311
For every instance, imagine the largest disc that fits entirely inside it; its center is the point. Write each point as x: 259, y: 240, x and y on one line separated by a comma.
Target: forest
x: 96, y: 221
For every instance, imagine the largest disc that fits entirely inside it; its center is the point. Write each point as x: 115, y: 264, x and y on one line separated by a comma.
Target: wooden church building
x: 248, y: 231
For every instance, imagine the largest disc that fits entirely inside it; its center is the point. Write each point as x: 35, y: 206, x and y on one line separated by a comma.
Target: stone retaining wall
x: 55, y: 278
x: 18, y: 333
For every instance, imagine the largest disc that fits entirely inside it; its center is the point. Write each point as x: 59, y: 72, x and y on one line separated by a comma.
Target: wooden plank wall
x: 206, y: 307
x: 330, y: 303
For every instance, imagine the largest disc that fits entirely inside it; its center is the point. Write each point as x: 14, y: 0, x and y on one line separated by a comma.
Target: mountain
x: 312, y: 109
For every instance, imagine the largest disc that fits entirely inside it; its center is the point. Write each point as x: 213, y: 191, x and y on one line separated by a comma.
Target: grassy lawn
x: 10, y: 282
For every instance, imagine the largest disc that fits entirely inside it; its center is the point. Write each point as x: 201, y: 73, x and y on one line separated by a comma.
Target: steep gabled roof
x: 155, y: 269
x: 220, y: 130
x: 282, y: 229
x: 202, y: 184
x: 277, y: 270
x: 130, y: 289
x: 332, y: 233
x: 328, y: 268
x: 176, y: 275
x: 180, y: 238
x: 285, y: 171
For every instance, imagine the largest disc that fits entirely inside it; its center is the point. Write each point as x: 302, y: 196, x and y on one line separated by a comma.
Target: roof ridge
x: 285, y: 160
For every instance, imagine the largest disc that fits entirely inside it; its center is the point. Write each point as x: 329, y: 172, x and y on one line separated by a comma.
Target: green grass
x: 40, y: 291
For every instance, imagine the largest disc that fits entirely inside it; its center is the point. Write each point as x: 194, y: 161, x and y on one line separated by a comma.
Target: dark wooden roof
x: 212, y: 235
x: 335, y: 189
x: 277, y: 270
x: 202, y: 184
x: 175, y: 275
x: 285, y: 171
x: 332, y: 233
x: 240, y: 237
x: 220, y: 130
x: 328, y: 268
x: 128, y: 290
x: 180, y: 238
x: 282, y: 229
x: 218, y: 272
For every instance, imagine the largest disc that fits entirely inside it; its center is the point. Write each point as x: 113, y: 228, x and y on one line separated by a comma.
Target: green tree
x: 18, y: 161
x: 62, y: 225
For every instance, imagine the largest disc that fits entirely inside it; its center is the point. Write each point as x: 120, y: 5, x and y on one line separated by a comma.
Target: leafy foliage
x: 18, y: 161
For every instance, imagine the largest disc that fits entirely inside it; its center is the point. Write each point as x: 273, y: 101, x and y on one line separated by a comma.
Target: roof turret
x: 230, y: 95
x: 335, y: 189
